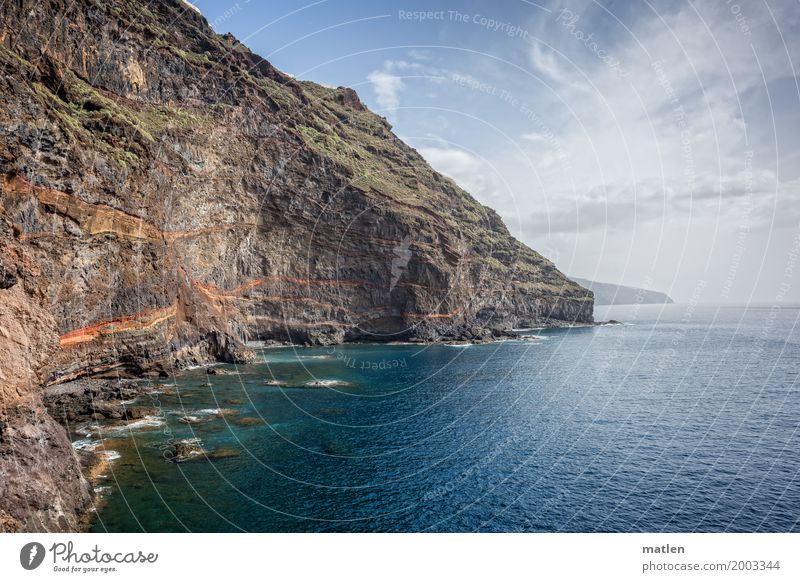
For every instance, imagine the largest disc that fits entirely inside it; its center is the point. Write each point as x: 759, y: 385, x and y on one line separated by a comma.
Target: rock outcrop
x: 179, y: 196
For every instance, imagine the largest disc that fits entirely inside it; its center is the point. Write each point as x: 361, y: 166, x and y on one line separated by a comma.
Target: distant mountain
x: 610, y: 294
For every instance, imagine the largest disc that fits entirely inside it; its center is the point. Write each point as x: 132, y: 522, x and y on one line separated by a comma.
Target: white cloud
x: 387, y: 89
x: 545, y: 61
x: 389, y: 81
x: 192, y: 6
x: 533, y: 136
x: 474, y: 175
x: 679, y: 157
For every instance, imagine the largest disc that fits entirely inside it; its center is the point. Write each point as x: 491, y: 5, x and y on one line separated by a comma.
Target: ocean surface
x: 683, y: 419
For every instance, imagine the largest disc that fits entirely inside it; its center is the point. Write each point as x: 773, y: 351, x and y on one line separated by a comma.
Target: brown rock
x: 41, y: 488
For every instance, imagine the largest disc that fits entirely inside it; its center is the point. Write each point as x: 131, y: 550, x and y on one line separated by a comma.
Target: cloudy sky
x: 652, y: 144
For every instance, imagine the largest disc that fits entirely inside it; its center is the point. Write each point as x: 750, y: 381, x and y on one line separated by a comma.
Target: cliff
x: 610, y: 294
x: 41, y: 487
x: 179, y: 196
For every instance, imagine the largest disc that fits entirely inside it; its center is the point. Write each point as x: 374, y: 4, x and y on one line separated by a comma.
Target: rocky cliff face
x: 41, y: 487
x: 180, y: 196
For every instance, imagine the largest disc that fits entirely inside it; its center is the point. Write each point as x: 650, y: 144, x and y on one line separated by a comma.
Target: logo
x: 31, y: 555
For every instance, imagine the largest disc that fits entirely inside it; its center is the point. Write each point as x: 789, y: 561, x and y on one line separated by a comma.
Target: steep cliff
x: 177, y: 189
x: 41, y: 487
x: 179, y: 196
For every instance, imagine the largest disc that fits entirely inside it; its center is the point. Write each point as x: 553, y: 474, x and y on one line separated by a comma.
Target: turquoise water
x: 685, y: 419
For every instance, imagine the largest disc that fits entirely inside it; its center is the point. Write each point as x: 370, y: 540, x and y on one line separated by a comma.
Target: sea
x: 680, y: 418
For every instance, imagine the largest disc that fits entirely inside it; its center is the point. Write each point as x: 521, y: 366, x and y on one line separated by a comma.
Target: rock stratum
x: 167, y: 196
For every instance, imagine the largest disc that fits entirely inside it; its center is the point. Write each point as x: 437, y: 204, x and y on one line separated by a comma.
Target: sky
x: 651, y: 144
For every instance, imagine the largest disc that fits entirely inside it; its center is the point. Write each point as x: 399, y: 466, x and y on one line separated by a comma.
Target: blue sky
x: 647, y: 143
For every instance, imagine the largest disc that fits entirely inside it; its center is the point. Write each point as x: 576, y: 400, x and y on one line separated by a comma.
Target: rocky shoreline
x: 113, y: 402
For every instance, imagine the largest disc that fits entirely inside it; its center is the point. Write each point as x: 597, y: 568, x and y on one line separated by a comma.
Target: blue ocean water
x: 683, y: 419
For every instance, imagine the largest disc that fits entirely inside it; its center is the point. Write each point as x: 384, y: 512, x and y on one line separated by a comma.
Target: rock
x: 7, y: 278
x: 81, y: 399
x: 111, y: 410
x: 184, y: 450
x: 41, y: 485
x: 224, y: 453
x: 213, y: 265
x: 138, y: 412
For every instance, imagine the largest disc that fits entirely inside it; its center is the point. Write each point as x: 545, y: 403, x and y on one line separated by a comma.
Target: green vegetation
x: 13, y: 60
x: 117, y: 131
x: 375, y: 160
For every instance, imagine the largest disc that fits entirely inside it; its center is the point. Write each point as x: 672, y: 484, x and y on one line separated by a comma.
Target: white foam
x: 146, y: 422
x: 110, y: 456
x: 266, y: 346
x: 87, y: 430
x: 212, y: 411
x: 191, y: 441
x: 327, y: 383
x: 85, y: 444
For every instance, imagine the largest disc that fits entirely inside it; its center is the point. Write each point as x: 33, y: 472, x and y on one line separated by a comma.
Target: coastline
x: 100, y: 410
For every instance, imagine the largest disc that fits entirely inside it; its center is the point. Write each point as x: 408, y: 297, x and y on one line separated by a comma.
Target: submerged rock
x: 224, y: 453
x: 249, y: 421
x: 184, y: 450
